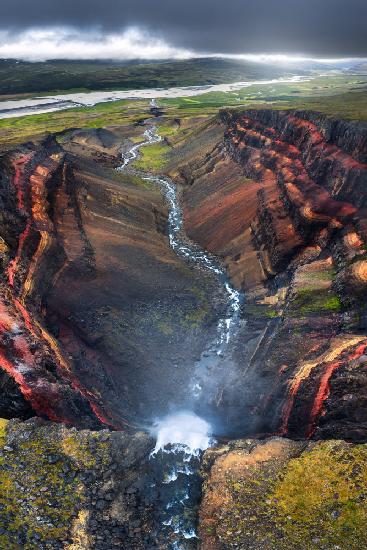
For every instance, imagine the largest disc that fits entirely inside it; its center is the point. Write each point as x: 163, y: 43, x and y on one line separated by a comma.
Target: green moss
x: 152, y: 157
x: 261, y: 311
x: 165, y: 327
x: 168, y: 131
x: 314, y: 501
x: 41, y: 492
x: 271, y: 313
x: 323, y: 497
x: 136, y: 139
x: 196, y: 317
x: 3, y: 424
x: 127, y: 178
x: 309, y: 301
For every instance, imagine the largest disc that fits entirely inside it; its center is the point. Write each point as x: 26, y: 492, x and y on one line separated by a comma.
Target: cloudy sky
x: 126, y: 29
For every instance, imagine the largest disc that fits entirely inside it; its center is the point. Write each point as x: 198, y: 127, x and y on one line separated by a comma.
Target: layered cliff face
x: 102, y: 325
x: 284, y: 205
x: 97, y: 311
x: 31, y: 258
x: 88, y: 276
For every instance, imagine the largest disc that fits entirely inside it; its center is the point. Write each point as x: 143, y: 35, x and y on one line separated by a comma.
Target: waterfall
x: 182, y: 436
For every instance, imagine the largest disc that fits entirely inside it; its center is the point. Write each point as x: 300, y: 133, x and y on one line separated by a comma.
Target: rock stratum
x: 283, y: 202
x: 102, y: 326
x: 95, y: 305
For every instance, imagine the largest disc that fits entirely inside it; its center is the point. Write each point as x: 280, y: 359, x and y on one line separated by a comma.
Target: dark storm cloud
x: 317, y: 27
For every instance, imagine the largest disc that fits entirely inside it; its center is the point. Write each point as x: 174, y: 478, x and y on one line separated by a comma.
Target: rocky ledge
x: 97, y: 312
x: 62, y: 488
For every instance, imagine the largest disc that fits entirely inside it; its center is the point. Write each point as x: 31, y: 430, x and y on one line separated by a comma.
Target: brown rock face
x: 29, y: 353
x: 293, y: 237
x: 101, y: 322
x: 97, y: 313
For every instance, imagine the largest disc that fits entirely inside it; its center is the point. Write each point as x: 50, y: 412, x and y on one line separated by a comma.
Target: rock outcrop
x: 75, y: 489
x: 31, y: 259
x: 283, y: 201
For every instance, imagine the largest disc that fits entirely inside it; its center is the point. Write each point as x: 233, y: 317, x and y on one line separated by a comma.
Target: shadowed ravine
x: 182, y: 435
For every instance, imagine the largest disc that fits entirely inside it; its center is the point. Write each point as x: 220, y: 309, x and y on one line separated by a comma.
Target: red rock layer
x: 312, y: 174
x: 299, y: 229
x: 28, y: 352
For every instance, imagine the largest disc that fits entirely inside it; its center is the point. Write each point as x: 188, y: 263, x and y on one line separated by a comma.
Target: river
x: 182, y: 436
x: 52, y: 103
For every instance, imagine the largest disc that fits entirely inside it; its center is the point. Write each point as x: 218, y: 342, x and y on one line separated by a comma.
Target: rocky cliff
x: 96, y: 309
x: 75, y: 489
x: 282, y: 199
x: 101, y: 326
x: 31, y: 258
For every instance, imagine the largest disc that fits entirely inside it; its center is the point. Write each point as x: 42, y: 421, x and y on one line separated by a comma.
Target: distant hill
x: 18, y: 77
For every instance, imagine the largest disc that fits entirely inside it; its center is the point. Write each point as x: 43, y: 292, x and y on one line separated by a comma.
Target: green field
x: 18, y: 130
x: 338, y: 96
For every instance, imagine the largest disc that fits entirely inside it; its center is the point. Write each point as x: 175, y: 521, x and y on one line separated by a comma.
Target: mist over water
x: 185, y: 429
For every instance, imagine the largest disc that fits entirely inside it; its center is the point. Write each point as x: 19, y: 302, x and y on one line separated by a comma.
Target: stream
x: 183, y: 436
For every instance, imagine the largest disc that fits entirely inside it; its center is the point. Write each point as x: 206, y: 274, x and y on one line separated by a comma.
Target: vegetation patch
x: 41, y: 482
x: 196, y: 317
x: 308, y: 301
x: 116, y: 113
x: 321, y: 500
x: 3, y: 424
x: 336, y: 96
x: 282, y: 498
x: 261, y: 311
x: 152, y: 158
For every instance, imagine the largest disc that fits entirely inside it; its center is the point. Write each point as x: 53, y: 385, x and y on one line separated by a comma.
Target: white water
x: 186, y: 430
x: 52, y: 103
x: 183, y: 435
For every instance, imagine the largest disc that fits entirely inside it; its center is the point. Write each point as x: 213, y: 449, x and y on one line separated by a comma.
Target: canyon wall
x: 98, y: 317
x: 31, y: 258
x: 284, y: 203
x: 97, y: 312
x: 88, y: 275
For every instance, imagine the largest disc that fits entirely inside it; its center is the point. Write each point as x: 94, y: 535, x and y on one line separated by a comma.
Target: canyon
x: 103, y: 326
